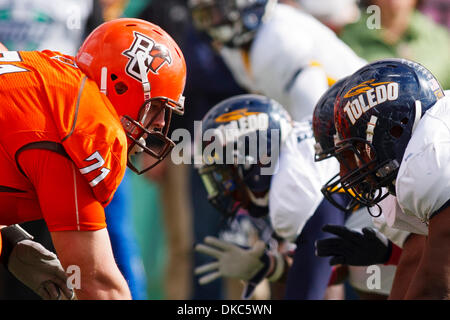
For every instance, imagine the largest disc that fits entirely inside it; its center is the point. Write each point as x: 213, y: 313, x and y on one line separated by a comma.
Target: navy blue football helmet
x: 325, y: 133
x: 323, y: 122
x: 376, y: 113
x: 242, y: 136
x: 230, y: 22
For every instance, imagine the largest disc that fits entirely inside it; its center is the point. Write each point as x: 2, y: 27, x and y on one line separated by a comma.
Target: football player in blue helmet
x: 241, y: 139
x: 323, y: 122
x: 376, y: 113
x: 260, y: 125
x: 230, y: 22
x: 325, y: 135
x: 267, y: 167
x: 359, y: 242
x: 393, y: 123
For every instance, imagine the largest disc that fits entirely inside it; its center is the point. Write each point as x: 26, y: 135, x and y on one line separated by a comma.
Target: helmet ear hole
x: 120, y: 87
x: 396, y: 131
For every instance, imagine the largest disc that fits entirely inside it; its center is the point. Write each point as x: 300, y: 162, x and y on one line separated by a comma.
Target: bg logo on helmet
x: 156, y: 55
x: 369, y: 95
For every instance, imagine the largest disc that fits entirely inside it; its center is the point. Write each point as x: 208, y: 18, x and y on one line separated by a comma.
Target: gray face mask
x: 222, y: 34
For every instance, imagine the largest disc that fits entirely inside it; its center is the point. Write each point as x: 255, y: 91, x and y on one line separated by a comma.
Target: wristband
x: 278, y: 268
x: 333, y: 276
x: 396, y: 252
x: 11, y: 235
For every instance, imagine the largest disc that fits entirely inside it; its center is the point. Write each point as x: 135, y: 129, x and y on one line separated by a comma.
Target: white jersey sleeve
x: 293, y: 59
x: 423, y: 180
x: 396, y: 218
x: 295, y: 189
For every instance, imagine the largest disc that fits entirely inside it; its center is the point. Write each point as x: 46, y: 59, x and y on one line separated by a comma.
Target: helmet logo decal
x: 234, y: 115
x: 156, y: 55
x: 243, y: 125
x: 363, y: 87
x: 370, y: 95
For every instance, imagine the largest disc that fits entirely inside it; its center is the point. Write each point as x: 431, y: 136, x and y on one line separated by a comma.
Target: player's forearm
x: 432, y: 279
x: 98, y: 276
x: 103, y: 287
x: 407, y: 266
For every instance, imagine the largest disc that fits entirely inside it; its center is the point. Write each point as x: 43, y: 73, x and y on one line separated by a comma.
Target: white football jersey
x: 295, y: 188
x: 293, y: 60
x: 396, y: 235
x: 395, y: 218
x: 423, y: 180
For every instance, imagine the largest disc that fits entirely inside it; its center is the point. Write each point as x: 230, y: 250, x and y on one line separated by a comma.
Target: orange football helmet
x: 142, y: 71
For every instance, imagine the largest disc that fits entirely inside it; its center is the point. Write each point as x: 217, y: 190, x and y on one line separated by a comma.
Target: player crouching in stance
x: 35, y: 266
x: 392, y: 120
x: 264, y: 165
x: 364, y: 240
x: 69, y: 127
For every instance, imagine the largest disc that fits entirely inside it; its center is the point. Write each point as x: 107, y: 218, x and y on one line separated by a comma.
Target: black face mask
x: 221, y: 182
x: 365, y: 184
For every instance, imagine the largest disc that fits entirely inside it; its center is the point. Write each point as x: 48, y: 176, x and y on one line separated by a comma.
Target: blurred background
x: 156, y: 219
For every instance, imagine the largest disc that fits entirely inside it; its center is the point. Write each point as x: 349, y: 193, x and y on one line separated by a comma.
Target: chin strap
x: 145, y: 84
x: 103, y: 80
x: 143, y: 71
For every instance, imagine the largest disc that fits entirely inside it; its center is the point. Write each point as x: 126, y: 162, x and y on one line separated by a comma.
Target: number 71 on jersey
x: 96, y: 165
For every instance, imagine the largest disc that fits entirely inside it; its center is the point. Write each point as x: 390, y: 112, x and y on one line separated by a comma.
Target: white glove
x: 232, y: 261
x: 249, y: 264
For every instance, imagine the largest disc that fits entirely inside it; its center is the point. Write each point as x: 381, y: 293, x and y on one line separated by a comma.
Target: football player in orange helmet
x: 136, y: 82
x: 68, y: 129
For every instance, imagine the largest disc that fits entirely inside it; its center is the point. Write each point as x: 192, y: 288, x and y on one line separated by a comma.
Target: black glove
x: 354, y: 248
